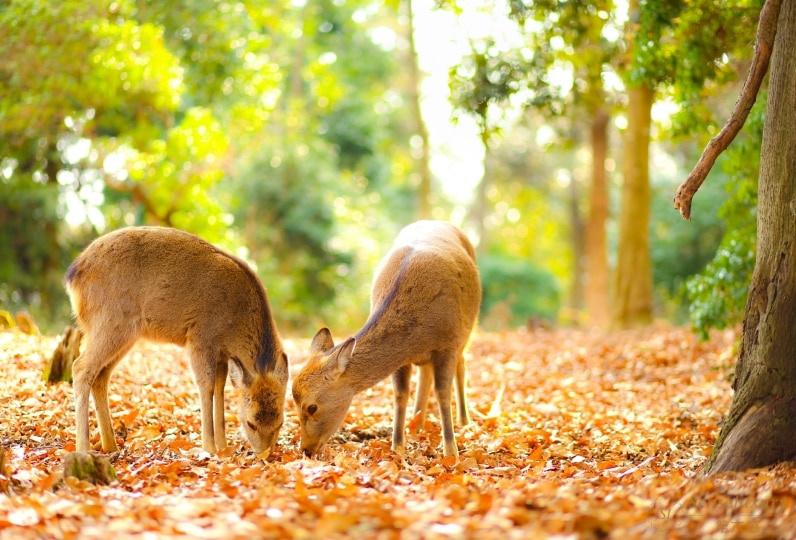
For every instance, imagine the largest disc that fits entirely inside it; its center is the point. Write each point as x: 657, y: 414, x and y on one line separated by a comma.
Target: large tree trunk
x: 597, y: 298
x: 415, y: 81
x: 578, y: 249
x: 632, y: 303
x: 761, y: 426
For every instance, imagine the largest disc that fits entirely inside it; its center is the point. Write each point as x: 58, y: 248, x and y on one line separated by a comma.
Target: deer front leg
x: 400, y: 381
x: 219, y: 427
x: 204, y: 369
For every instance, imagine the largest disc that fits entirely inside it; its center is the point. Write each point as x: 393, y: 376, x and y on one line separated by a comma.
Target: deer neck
x: 379, y: 352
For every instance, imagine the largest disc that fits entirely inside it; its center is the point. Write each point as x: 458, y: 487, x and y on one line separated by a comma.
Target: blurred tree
x: 570, y: 36
x: 130, y: 112
x: 670, y: 45
x: 421, y: 131
x: 66, y: 69
x: 632, y: 302
x: 324, y: 156
x: 529, y: 223
x: 484, y: 80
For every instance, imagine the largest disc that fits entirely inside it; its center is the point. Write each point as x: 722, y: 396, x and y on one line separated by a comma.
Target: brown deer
x: 424, y: 302
x: 168, y: 285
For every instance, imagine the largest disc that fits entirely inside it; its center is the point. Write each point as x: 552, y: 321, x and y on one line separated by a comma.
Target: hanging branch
x: 766, y: 31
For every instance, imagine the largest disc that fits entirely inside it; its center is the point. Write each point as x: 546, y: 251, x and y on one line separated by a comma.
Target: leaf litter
x: 574, y: 434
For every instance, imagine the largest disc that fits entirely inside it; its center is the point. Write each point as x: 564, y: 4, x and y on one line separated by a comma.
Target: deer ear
x: 280, y: 370
x: 344, y: 355
x: 239, y: 375
x: 322, y: 341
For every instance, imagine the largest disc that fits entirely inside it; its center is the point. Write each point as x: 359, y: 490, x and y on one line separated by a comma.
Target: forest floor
x: 577, y: 434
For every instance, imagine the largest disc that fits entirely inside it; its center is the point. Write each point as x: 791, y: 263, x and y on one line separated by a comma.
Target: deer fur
x: 168, y: 285
x: 425, y: 299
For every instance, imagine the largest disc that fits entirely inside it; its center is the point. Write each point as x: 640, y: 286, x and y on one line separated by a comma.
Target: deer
x: 167, y: 285
x: 425, y: 298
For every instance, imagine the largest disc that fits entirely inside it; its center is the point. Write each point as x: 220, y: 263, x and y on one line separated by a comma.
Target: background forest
x: 303, y: 135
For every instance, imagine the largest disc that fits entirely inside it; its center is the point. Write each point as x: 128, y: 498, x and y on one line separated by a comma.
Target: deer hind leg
x: 423, y: 392
x: 219, y: 428
x: 99, y: 391
x: 103, y: 350
x: 400, y: 381
x: 444, y: 369
x: 463, y: 416
x: 204, y: 364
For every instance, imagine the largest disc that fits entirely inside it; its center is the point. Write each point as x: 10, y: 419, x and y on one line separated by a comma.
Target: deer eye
x: 251, y: 426
x: 312, y: 409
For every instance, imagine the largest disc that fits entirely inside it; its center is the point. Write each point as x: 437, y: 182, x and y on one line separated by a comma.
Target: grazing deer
x: 168, y: 285
x: 425, y: 299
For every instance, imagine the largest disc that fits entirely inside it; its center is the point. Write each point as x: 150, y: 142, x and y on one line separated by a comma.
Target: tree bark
x: 89, y: 467
x: 761, y: 426
x: 597, y: 287
x: 59, y: 367
x: 632, y: 303
x: 415, y: 82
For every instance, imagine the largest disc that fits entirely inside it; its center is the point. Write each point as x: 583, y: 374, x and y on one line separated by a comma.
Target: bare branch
x: 766, y: 31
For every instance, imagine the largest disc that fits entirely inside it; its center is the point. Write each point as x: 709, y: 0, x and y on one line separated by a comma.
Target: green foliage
x: 519, y: 285
x: 279, y: 130
x: 484, y: 78
x: 688, y: 48
x: 717, y: 295
x: 569, y: 35
x: 289, y: 221
x: 27, y: 211
x: 245, y: 122
x: 681, y: 248
x: 81, y: 82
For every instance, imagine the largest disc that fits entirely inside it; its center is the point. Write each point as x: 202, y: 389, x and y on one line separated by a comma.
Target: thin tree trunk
x: 415, y: 82
x: 761, y: 426
x: 578, y: 248
x: 597, y: 287
x: 632, y: 303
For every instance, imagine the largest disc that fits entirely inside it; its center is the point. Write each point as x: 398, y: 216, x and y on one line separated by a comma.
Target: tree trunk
x: 632, y: 303
x: 761, y: 426
x: 578, y: 250
x: 415, y: 82
x: 597, y: 287
x: 59, y: 367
